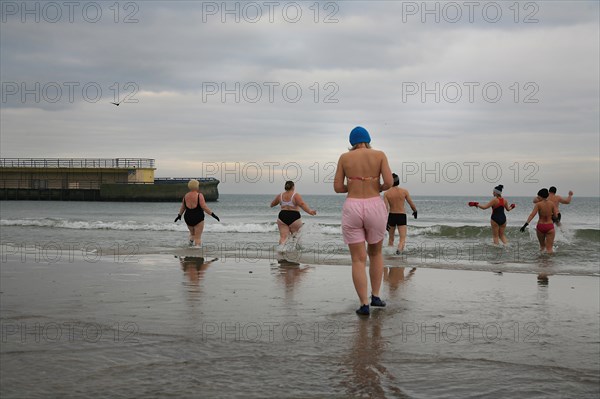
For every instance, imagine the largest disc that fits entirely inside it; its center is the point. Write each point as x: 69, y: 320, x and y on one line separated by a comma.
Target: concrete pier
x: 87, y: 179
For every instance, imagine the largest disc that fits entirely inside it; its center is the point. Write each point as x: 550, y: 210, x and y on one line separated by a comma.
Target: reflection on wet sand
x: 289, y: 273
x: 366, y: 376
x: 394, y: 277
x: 194, y: 267
x: 546, y: 263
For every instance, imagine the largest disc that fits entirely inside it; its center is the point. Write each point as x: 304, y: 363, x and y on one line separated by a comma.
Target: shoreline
x: 481, y: 257
x: 287, y: 329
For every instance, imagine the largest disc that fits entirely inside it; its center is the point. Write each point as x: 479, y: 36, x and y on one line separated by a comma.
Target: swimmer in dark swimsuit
x: 498, y: 222
x: 289, y: 221
x: 394, y: 199
x: 547, y: 210
x: 194, y: 206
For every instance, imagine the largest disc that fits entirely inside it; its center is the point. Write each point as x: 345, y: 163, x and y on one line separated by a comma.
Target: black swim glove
x: 524, y: 227
x: 215, y: 216
x: 415, y: 214
x: 177, y: 218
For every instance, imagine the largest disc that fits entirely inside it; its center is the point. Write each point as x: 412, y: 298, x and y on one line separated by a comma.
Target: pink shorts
x: 364, y: 220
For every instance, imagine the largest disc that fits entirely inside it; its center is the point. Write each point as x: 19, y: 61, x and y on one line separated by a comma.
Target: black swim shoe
x: 363, y: 310
x: 376, y: 301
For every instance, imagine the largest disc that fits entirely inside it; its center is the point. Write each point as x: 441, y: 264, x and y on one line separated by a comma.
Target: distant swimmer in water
x: 394, y: 199
x: 556, y: 200
x: 194, y: 206
x: 546, y: 211
x: 364, y: 214
x: 289, y: 220
x: 498, y: 222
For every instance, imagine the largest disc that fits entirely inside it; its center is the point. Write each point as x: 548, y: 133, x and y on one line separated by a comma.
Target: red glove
x: 473, y: 203
x: 512, y: 206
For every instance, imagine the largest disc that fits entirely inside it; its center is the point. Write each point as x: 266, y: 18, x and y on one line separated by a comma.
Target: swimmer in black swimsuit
x: 289, y: 220
x: 194, y: 206
x: 195, y: 215
x: 498, y: 220
x: 395, y: 199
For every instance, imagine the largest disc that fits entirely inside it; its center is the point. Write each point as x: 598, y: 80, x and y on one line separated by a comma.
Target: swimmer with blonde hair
x: 192, y: 208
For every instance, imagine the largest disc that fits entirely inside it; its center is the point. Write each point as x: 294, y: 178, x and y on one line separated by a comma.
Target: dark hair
x: 552, y: 190
x: 543, y: 193
x: 396, y: 179
x: 288, y: 185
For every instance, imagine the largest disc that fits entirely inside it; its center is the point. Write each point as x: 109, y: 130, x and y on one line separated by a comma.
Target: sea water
x: 447, y: 233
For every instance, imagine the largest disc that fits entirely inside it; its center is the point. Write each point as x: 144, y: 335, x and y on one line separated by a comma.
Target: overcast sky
x: 461, y: 96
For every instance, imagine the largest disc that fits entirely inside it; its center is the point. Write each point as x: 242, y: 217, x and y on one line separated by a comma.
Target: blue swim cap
x: 359, y: 135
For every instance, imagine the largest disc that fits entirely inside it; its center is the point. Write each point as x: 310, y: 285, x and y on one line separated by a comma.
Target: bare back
x: 555, y: 199
x: 192, y: 198
x: 545, y: 211
x: 396, y: 197
x: 288, y: 198
x: 363, y: 168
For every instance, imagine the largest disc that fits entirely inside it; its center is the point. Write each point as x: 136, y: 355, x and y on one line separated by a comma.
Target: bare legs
x: 498, y: 233
x: 401, y: 234
x: 196, y: 233
x: 546, y: 240
x: 501, y: 234
x: 359, y: 253
x: 285, y: 230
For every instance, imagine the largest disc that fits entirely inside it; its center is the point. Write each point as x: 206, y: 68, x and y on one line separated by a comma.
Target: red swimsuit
x: 545, y: 228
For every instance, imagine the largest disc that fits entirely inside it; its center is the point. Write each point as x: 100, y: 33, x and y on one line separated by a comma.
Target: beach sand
x: 158, y: 325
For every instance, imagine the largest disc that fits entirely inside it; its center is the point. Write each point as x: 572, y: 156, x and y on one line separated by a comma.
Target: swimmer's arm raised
x: 568, y: 200
x: 489, y: 204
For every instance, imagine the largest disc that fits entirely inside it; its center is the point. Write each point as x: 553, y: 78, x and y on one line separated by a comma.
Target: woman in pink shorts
x: 364, y: 215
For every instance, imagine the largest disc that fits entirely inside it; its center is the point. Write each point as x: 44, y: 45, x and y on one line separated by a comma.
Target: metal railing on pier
x: 71, y: 163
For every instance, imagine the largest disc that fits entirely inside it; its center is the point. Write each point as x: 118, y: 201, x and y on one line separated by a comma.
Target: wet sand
x: 187, y: 326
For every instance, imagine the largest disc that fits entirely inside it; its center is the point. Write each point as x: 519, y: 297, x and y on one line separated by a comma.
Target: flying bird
x: 117, y: 104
